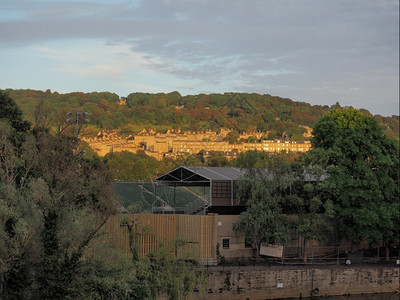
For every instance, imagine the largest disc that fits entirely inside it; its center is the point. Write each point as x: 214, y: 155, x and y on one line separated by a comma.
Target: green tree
x: 15, y: 231
x: 12, y: 114
x: 316, y: 211
x: 263, y: 192
x: 75, y: 193
x: 128, y: 166
x: 363, y: 175
x: 192, y: 160
x: 253, y: 159
x: 52, y: 205
x: 160, y: 273
x: 217, y: 159
x: 232, y: 137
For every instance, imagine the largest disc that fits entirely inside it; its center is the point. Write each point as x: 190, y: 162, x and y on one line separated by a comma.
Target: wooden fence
x: 155, y: 230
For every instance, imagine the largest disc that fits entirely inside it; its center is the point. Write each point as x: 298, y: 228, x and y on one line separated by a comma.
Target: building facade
x: 174, y: 143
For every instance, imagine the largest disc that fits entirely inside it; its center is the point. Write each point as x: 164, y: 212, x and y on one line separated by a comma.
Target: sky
x: 314, y: 51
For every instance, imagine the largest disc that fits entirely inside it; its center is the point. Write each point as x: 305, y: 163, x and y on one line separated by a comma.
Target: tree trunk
x: 377, y: 255
x: 133, y: 242
x: 304, y: 249
x: 387, y: 253
x: 257, y: 254
x: 2, y: 289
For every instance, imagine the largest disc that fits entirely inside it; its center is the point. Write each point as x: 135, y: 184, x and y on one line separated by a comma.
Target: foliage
x: 160, y: 273
x: 110, y: 275
x: 362, y: 163
x: 232, y: 137
x: 251, y: 160
x: 69, y: 205
x: 53, y: 205
x: 315, y: 210
x: 127, y: 165
x: 166, y: 275
x: 263, y: 190
x: 238, y: 111
x: 12, y: 114
x: 216, y: 159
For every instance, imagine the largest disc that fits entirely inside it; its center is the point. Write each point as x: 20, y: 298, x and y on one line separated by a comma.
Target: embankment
x: 291, y: 282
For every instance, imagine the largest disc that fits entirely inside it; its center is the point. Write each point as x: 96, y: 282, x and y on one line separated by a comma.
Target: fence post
x: 312, y: 256
x: 338, y: 253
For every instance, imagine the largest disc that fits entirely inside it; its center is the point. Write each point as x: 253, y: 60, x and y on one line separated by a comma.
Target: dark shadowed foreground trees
x: 362, y: 163
x: 53, y: 205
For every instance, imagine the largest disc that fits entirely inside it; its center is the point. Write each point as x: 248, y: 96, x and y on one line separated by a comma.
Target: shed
x: 221, y: 180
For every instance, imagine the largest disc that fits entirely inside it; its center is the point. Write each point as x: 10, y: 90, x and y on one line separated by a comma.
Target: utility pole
x: 79, y: 118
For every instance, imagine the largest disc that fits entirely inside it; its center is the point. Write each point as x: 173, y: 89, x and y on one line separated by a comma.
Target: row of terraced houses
x: 174, y: 143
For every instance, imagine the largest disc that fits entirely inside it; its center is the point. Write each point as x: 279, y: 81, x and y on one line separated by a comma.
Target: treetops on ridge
x: 162, y: 111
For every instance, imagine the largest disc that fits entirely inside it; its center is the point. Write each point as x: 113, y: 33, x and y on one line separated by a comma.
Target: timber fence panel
x: 153, y: 230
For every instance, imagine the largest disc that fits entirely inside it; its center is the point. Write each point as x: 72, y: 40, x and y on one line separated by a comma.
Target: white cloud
x: 312, y: 50
x: 92, y: 58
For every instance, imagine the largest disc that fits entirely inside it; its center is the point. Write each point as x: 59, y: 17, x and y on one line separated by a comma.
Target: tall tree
x: 316, y: 212
x: 52, y: 205
x: 263, y: 191
x: 363, y: 175
x: 11, y: 113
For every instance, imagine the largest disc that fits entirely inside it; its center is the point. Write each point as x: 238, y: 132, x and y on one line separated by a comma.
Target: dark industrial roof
x: 218, y: 173
x: 202, y: 176
x: 199, y: 175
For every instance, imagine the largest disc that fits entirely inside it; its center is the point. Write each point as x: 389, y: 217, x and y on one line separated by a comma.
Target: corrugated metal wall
x: 155, y: 230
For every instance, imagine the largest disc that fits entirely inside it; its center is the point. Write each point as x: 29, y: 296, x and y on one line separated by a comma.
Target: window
x: 225, y: 243
x: 221, y: 189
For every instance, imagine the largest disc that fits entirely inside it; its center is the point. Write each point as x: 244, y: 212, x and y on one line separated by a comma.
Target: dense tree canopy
x: 349, y: 180
x: 362, y: 163
x: 53, y: 205
x: 239, y: 111
x: 264, y: 190
x: 11, y: 113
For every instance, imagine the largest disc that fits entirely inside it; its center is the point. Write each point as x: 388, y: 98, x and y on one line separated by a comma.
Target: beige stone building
x: 175, y: 142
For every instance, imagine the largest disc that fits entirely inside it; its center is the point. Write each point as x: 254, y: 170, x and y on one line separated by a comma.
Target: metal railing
x: 195, y: 207
x: 318, y: 255
x: 336, y: 255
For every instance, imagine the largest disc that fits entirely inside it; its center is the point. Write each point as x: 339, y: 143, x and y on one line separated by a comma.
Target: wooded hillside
x: 239, y: 111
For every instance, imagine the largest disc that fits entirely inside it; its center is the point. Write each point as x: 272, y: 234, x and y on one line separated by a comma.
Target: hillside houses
x: 174, y: 143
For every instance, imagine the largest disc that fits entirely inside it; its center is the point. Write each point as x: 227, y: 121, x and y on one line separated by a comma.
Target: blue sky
x: 313, y: 51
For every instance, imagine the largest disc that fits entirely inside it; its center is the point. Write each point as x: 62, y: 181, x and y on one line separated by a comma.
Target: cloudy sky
x: 315, y: 51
